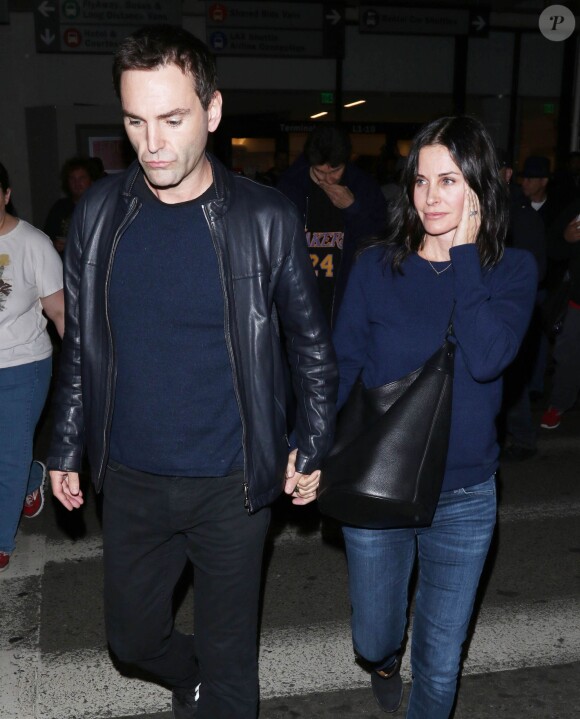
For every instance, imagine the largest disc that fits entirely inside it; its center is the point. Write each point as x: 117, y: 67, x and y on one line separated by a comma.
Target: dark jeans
x: 152, y: 525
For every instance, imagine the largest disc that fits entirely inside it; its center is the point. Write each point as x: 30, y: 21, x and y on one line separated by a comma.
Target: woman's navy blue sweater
x: 389, y: 324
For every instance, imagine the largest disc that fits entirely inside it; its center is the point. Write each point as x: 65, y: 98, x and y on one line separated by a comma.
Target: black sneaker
x: 388, y: 687
x: 184, y: 703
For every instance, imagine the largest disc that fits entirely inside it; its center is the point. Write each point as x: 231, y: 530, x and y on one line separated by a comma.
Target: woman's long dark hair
x: 472, y: 150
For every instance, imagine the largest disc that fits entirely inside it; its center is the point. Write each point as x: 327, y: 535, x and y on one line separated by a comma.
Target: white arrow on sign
x: 333, y: 16
x: 479, y: 23
x: 47, y: 37
x: 45, y: 9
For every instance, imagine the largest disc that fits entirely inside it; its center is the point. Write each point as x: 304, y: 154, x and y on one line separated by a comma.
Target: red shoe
x: 4, y: 561
x: 34, y: 502
x: 551, y: 418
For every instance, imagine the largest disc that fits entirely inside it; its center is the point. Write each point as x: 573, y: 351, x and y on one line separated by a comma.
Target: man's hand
x: 66, y: 488
x: 339, y: 195
x: 302, y: 486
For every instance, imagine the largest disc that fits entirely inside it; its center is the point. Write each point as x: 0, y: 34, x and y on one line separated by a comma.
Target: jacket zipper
x: 108, y: 413
x: 227, y: 335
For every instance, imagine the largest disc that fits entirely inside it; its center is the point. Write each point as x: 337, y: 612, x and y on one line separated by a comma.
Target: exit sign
x: 327, y: 98
x: 549, y: 108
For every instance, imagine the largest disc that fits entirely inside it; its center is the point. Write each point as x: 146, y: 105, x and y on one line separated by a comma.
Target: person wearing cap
x: 537, y: 187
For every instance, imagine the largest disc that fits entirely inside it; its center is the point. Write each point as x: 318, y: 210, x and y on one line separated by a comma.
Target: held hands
x: 468, y: 227
x: 66, y: 488
x: 302, y: 487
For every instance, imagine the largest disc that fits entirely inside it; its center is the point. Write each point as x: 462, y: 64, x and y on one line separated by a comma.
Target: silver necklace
x: 436, y: 271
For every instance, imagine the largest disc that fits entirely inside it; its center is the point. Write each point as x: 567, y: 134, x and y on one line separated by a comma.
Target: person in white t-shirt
x: 31, y: 282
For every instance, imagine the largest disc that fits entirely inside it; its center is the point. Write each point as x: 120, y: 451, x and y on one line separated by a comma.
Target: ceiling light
x: 356, y: 102
x: 319, y: 114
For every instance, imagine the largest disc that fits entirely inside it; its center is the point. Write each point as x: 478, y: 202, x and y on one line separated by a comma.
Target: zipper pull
x: 246, y: 496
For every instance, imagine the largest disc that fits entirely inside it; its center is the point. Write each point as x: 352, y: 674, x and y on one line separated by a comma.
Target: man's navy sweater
x: 175, y: 409
x: 390, y: 324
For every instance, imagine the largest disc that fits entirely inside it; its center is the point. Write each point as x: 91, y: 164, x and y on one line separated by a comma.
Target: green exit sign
x: 549, y: 108
x: 327, y: 98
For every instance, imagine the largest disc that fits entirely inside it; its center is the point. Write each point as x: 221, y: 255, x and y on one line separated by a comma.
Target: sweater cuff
x: 466, y: 268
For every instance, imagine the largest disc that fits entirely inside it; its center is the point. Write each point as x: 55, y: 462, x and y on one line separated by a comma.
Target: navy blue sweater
x: 389, y: 324
x: 175, y: 409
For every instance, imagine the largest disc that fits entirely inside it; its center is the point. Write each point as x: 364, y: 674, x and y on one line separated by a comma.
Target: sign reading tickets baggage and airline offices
x: 96, y: 26
x: 275, y: 29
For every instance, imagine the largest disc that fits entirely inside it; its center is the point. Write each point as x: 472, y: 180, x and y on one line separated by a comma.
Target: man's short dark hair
x: 328, y: 145
x: 160, y: 45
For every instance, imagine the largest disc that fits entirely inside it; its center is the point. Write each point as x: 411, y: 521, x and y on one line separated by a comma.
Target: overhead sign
x: 413, y: 20
x: 280, y: 29
x: 96, y: 26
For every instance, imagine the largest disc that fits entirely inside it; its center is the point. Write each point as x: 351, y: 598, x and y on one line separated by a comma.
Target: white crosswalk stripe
x: 33, y: 551
x: 86, y: 684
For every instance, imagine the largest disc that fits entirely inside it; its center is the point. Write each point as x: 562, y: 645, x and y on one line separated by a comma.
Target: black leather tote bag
x: 386, y: 467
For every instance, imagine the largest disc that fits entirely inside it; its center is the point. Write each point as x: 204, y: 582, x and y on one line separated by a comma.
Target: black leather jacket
x: 266, y: 275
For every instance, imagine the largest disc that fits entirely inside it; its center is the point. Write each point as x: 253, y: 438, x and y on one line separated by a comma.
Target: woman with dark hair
x: 443, y: 256
x: 30, y: 282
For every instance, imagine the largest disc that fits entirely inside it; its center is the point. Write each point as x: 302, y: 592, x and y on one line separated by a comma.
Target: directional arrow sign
x: 45, y: 8
x: 333, y: 30
x: 333, y: 16
x: 479, y: 22
x: 47, y: 37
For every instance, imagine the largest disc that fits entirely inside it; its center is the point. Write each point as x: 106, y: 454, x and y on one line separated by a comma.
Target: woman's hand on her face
x: 468, y: 227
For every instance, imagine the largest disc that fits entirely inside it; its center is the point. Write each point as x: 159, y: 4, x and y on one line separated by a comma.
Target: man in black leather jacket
x: 177, y: 273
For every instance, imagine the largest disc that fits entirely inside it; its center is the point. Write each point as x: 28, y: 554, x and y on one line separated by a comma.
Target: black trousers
x: 152, y: 525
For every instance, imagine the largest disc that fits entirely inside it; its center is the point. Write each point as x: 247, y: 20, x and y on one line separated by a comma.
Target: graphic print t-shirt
x: 324, y: 235
x: 30, y: 268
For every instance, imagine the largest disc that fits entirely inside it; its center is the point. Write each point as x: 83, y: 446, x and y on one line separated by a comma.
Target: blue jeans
x: 451, y: 554
x: 23, y: 391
